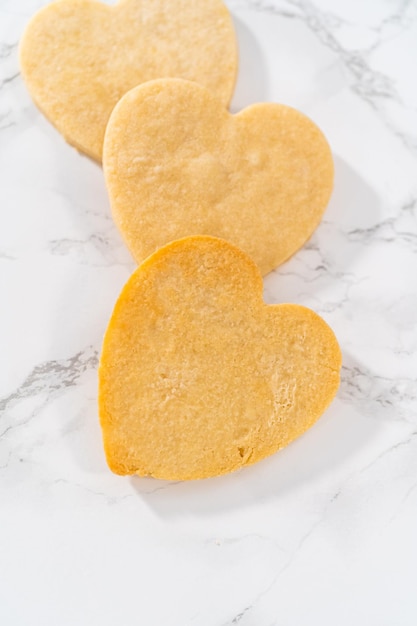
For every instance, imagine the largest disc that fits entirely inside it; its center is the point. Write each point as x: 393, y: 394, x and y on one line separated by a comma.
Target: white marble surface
x: 324, y: 532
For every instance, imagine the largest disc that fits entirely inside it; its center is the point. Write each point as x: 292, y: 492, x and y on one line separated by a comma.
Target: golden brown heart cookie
x: 198, y: 376
x: 78, y: 57
x: 178, y: 164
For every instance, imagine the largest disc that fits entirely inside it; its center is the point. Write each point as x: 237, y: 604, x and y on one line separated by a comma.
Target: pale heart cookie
x: 78, y: 57
x: 198, y: 376
x: 178, y: 164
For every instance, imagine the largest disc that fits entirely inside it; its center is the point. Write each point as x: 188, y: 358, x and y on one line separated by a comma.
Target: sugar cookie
x: 198, y: 376
x: 78, y: 57
x: 178, y: 164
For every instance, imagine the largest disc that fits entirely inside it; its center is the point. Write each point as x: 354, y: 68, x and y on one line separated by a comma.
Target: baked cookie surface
x: 79, y: 57
x: 178, y: 164
x: 198, y: 376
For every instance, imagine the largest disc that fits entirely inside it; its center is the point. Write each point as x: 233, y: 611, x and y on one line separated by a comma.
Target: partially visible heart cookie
x: 78, y: 57
x: 198, y: 376
x: 178, y: 164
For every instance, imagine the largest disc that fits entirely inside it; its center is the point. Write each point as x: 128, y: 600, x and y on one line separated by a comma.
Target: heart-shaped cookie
x: 198, y: 376
x: 178, y: 164
x: 79, y: 57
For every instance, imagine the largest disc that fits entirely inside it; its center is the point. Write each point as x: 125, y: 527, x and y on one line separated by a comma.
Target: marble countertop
x: 324, y: 532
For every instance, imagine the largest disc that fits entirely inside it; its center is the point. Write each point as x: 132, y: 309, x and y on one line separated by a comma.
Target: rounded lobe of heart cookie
x: 79, y: 57
x: 198, y: 376
x: 178, y: 164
